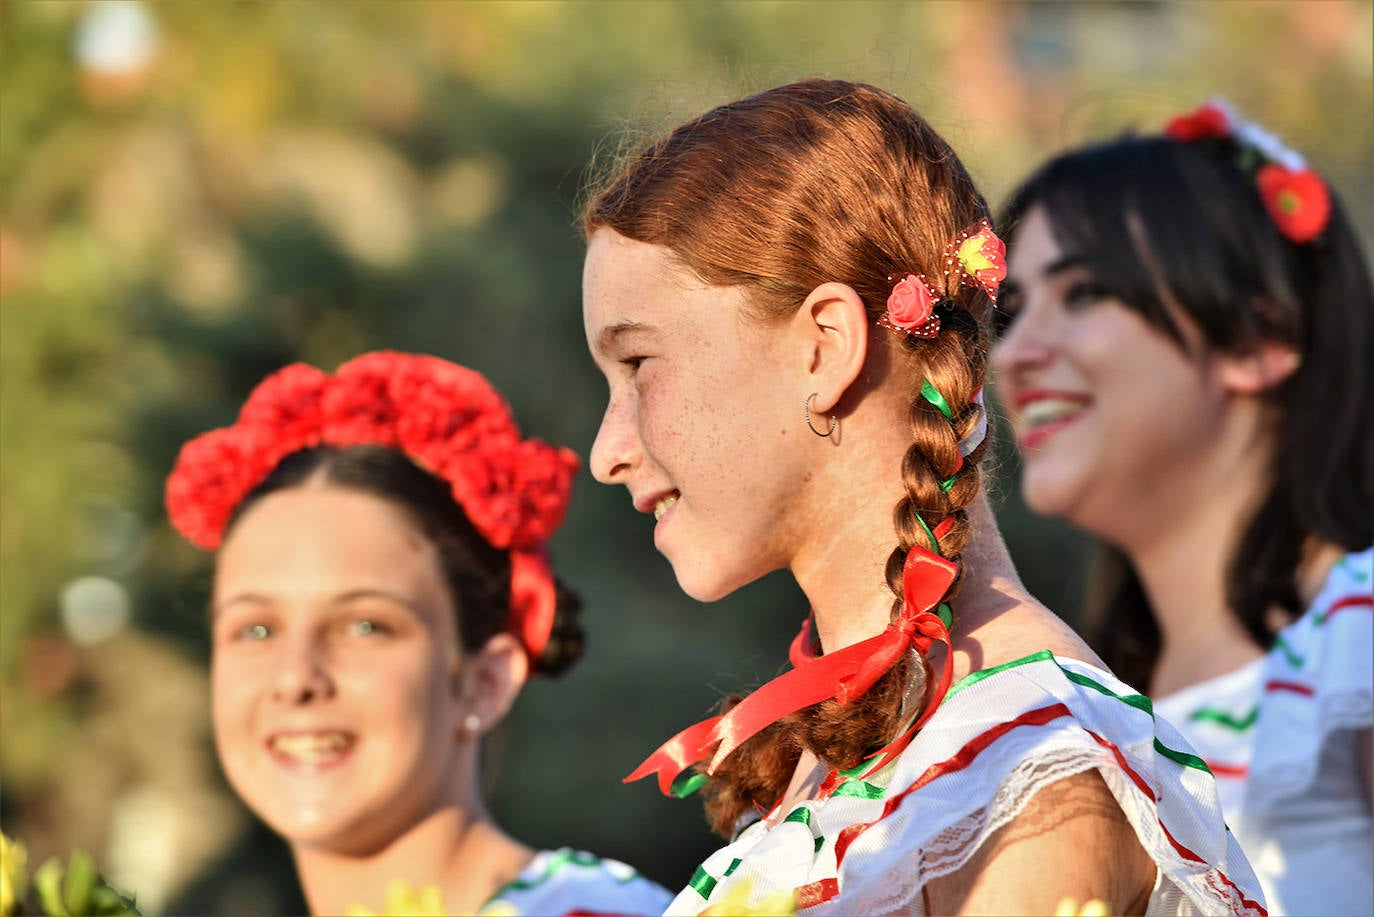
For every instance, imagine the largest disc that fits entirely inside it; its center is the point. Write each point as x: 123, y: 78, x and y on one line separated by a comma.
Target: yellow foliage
x: 402, y: 901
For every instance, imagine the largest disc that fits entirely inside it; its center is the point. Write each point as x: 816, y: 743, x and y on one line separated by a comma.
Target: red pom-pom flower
x: 1208, y: 121
x: 446, y: 418
x: 1297, y: 200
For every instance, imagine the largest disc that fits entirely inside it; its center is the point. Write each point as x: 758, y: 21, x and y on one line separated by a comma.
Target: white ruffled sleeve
x: 1318, y: 679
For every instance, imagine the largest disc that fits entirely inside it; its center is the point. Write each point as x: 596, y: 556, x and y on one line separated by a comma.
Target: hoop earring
x: 834, y: 418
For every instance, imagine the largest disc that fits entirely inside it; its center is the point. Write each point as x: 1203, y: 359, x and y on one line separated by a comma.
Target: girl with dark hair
x: 788, y: 297
x: 1188, y: 330
x: 381, y: 594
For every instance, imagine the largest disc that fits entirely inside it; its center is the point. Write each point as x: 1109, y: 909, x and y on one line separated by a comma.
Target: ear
x: 1258, y: 369
x: 834, y: 325
x: 490, y: 679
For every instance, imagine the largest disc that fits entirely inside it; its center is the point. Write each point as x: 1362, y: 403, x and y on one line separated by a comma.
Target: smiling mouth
x: 311, y: 747
x: 1045, y: 411
x: 664, y: 504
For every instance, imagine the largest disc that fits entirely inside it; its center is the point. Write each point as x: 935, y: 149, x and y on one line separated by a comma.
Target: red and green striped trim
x: 825, y: 889
x: 1350, y: 601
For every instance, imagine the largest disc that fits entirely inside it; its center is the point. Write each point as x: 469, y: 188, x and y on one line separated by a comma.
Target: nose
x: 616, y: 449
x: 1025, y: 345
x: 302, y: 675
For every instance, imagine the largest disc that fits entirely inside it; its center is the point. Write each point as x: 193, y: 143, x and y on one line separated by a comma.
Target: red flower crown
x: 446, y: 418
x: 1295, y: 196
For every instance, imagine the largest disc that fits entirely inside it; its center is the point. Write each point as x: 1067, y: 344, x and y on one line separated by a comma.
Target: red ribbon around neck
x: 844, y: 675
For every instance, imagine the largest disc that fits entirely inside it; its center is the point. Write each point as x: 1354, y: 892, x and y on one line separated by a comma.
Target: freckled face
x: 1110, y: 413
x: 334, y: 653
x: 704, y: 415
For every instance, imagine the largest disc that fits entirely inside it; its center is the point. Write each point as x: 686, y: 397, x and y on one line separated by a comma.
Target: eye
x: 1085, y: 293
x: 633, y: 363
x: 366, y: 627
x: 253, y: 632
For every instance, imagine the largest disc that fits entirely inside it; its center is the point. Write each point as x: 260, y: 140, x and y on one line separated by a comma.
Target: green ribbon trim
x: 973, y: 678
x: 934, y: 545
x: 860, y: 789
x: 1138, y: 701
x: 688, y: 783
x: 1348, y: 565
x: 1182, y: 757
x: 945, y: 614
x: 1295, y: 660
x: 1222, y: 718
x: 931, y: 394
x: 555, y: 864
x: 802, y: 816
x: 948, y: 483
x: 703, y: 883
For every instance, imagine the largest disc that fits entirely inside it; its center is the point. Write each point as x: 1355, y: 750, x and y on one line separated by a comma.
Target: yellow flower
x: 401, y: 901
x: 735, y: 901
x: 13, y: 873
x: 1093, y: 907
x: 974, y: 260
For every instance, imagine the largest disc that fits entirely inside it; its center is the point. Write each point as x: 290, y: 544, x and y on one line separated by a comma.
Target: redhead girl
x: 788, y: 296
x: 381, y: 594
x: 1189, y: 327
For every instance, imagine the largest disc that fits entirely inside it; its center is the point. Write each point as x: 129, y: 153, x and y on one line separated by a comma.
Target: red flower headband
x: 975, y: 256
x: 1295, y: 196
x: 444, y: 417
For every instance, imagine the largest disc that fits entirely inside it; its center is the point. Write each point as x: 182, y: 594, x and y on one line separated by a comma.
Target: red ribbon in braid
x: 844, y: 675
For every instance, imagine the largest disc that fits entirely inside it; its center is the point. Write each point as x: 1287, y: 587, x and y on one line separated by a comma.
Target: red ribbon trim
x: 844, y: 674
x: 533, y: 600
x: 817, y: 892
x: 975, y: 746
x: 1291, y: 686
x: 1227, y: 770
x: 1350, y: 601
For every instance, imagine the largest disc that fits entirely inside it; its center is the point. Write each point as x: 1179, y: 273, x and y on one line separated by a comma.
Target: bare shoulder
x: 1071, y: 840
x: 1015, y: 631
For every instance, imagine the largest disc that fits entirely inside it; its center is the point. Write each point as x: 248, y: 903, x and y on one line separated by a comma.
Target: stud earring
x: 472, y: 725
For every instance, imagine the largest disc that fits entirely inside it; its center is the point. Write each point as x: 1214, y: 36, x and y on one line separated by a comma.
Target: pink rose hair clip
x: 975, y: 256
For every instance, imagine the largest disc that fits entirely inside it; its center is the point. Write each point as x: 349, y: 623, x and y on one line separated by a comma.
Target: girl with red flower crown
x: 381, y: 593
x: 1188, y: 335
x: 788, y: 296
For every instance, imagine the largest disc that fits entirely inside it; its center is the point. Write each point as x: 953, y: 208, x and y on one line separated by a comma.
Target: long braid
x: 869, y: 190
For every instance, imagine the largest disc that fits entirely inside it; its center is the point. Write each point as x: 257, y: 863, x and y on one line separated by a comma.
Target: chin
x: 1046, y: 494
x: 708, y: 581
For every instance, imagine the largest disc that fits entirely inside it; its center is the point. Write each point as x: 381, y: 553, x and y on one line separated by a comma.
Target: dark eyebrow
x: 1065, y: 263
x: 611, y: 333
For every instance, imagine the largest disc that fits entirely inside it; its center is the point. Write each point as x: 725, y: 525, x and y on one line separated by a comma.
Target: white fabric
x: 1287, y: 764
x: 559, y: 882
x: 936, y: 828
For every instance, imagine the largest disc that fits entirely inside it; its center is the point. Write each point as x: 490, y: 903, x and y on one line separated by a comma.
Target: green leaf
x: 48, y: 882
x: 81, y: 879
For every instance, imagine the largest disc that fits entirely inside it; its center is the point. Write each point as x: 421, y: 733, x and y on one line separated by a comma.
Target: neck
x: 457, y: 849
x: 1181, y: 549
x: 841, y: 566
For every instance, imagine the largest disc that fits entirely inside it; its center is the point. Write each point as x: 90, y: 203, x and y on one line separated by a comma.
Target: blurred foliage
x: 192, y: 195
